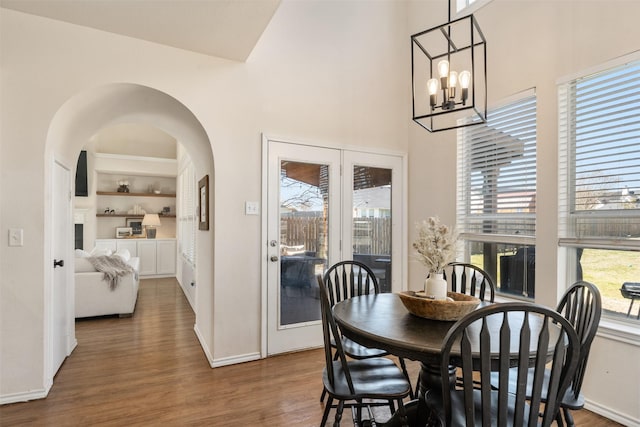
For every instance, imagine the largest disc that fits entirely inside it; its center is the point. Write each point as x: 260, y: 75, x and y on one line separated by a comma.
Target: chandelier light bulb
x: 432, y: 86
x: 465, y: 80
x: 443, y: 68
x: 453, y: 82
x: 432, y: 90
x: 453, y: 79
x: 443, y: 72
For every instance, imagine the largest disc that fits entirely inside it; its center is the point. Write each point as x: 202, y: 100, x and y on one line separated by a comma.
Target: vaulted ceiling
x: 224, y: 28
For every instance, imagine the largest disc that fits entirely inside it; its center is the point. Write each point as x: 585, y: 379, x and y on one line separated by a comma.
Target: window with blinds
x: 187, y: 220
x: 497, y: 172
x: 599, y: 157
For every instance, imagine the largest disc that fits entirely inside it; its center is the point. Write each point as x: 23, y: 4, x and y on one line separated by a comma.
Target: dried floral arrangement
x: 436, y: 245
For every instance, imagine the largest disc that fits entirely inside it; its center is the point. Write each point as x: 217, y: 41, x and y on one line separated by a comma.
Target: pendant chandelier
x: 449, y: 75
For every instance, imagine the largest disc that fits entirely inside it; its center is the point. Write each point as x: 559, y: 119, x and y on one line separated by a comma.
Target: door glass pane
x: 372, y: 221
x: 304, y: 198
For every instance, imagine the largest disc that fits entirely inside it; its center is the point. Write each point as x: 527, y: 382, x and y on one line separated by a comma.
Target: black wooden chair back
x: 518, y: 334
x: 329, y: 331
x: 376, y: 379
x: 470, y: 280
x: 582, y: 306
x: 347, y: 279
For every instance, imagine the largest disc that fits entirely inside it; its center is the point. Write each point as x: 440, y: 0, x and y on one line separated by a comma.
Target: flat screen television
x: 82, y: 185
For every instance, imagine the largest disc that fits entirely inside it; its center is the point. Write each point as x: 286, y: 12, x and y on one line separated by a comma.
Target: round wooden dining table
x: 381, y: 321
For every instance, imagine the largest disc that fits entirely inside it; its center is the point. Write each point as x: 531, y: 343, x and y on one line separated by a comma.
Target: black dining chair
x: 471, y: 280
x: 467, y: 279
x: 376, y: 379
x: 581, y: 305
x: 347, y: 279
x: 492, y: 340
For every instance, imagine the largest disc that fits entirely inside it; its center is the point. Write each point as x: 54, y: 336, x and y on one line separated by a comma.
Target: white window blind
x: 187, y: 213
x: 599, y: 157
x: 497, y: 172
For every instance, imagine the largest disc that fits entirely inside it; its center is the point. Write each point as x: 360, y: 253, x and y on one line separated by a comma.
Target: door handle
x: 58, y: 263
x: 274, y: 258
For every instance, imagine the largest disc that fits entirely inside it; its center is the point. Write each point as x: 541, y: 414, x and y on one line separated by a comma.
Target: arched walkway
x: 90, y: 111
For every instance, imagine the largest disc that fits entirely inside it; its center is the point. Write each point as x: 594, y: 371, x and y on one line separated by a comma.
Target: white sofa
x: 94, y: 296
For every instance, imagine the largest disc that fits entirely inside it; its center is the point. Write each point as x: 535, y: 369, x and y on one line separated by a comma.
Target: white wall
x: 323, y: 72
x: 531, y: 44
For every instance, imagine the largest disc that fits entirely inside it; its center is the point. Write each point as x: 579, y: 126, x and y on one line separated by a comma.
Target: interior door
x: 61, y: 312
x: 303, y: 233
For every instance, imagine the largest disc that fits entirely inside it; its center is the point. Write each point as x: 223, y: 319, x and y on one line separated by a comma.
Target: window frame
x: 463, y: 206
x: 569, y: 239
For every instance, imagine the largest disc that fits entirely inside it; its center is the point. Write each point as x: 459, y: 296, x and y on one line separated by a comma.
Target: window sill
x: 619, y: 331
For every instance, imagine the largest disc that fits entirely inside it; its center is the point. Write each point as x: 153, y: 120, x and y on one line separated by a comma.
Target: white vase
x: 435, y: 286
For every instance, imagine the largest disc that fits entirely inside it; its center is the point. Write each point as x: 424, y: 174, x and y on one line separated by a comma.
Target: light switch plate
x: 251, y: 208
x: 16, y: 237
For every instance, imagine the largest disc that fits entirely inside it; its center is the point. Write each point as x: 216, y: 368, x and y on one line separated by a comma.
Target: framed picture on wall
x: 203, y: 186
x: 136, y: 225
x: 123, y: 232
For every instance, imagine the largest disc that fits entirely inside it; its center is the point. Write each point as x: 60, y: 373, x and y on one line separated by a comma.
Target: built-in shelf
x: 115, y: 193
x: 102, y: 215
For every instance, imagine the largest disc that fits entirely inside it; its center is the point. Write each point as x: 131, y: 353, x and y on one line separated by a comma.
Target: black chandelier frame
x: 470, y: 112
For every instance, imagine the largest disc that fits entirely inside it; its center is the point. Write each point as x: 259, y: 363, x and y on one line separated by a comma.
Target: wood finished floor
x: 150, y: 370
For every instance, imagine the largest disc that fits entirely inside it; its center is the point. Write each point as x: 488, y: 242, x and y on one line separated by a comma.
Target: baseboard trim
x: 225, y: 361
x: 611, y: 414
x: 203, y: 344
x: 232, y: 360
x: 23, y: 397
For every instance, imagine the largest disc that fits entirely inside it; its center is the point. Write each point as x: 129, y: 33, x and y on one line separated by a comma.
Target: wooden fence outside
x: 370, y: 235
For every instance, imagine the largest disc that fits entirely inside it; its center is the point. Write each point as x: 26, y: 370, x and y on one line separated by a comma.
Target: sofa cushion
x: 83, y: 265
x: 101, y: 252
x: 82, y: 254
x: 124, y: 254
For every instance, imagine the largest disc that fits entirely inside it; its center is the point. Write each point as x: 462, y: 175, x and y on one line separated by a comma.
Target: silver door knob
x: 274, y: 258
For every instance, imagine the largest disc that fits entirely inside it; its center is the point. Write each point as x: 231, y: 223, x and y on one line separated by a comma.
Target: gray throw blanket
x: 113, y: 267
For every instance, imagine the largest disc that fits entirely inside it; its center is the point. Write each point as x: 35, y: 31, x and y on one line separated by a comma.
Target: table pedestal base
x: 417, y: 411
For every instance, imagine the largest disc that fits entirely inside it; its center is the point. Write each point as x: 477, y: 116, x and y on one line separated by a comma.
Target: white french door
x: 372, y: 214
x: 324, y: 205
x: 303, y: 210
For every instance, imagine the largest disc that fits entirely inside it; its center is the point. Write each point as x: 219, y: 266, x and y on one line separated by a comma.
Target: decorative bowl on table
x: 455, y: 307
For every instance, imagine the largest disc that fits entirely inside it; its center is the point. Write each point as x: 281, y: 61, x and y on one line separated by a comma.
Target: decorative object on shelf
x: 108, y: 211
x: 444, y: 51
x: 136, y: 210
x: 122, y: 232
x: 455, y: 307
x: 150, y: 222
x: 123, y: 186
x: 166, y: 210
x: 203, y: 186
x: 435, y: 248
x: 136, y: 225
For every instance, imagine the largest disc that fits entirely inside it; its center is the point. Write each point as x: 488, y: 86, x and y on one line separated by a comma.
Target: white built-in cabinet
x: 157, y: 256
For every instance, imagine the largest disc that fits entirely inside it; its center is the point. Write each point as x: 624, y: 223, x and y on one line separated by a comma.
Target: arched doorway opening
x: 74, y: 124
